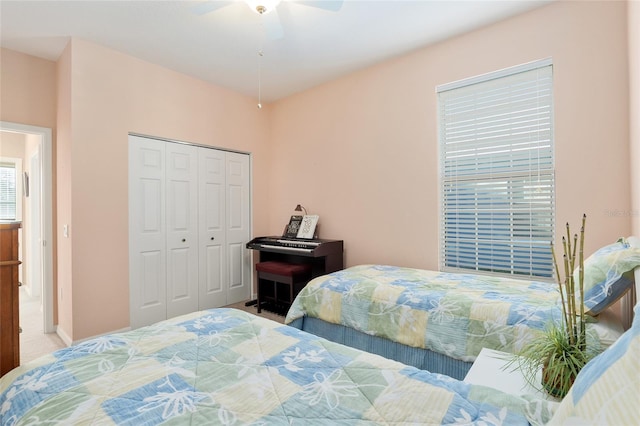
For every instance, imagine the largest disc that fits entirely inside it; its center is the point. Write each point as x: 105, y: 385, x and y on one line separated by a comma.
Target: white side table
x: 488, y: 370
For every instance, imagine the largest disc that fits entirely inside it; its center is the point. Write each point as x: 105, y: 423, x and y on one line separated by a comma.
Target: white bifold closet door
x: 182, y: 228
x: 189, y: 223
x: 147, y: 232
x: 212, y: 244
x: 238, y: 229
x: 224, y: 227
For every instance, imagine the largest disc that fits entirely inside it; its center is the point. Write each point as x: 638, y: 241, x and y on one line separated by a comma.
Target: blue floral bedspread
x: 451, y: 314
x: 226, y: 366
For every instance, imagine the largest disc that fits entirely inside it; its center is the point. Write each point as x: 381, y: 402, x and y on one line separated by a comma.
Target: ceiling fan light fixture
x: 262, y: 6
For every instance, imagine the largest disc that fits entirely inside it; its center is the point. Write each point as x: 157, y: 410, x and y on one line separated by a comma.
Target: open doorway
x: 36, y: 188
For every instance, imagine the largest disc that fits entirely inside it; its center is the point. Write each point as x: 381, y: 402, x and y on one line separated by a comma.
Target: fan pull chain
x: 260, y: 55
x: 261, y: 9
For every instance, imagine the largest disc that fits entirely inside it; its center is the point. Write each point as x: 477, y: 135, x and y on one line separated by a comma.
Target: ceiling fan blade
x: 272, y: 25
x: 208, y: 6
x: 332, y: 5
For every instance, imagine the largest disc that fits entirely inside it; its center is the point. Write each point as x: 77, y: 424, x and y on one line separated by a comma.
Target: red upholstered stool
x: 274, y: 274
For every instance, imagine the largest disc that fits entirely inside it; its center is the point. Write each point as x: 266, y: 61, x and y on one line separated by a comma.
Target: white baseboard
x: 65, y: 338
x: 69, y: 342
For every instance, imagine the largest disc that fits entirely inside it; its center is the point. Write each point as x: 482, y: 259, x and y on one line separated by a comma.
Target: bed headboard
x: 629, y: 300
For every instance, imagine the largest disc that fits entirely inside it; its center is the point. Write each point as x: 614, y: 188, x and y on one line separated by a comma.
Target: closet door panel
x: 238, y: 226
x: 212, y: 224
x: 212, y: 290
x: 152, y: 273
x: 182, y: 229
x: 179, y: 294
x: 236, y: 261
x: 147, y: 235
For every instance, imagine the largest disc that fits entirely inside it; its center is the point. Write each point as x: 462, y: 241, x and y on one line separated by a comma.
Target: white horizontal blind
x: 496, y: 170
x: 7, y: 191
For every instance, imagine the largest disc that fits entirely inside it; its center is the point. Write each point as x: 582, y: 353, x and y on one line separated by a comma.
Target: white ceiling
x: 222, y: 46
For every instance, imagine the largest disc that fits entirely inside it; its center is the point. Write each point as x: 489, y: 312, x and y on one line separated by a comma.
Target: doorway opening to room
x: 29, y: 150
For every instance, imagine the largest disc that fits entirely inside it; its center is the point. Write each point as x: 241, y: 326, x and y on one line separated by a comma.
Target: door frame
x: 46, y: 204
x: 34, y: 252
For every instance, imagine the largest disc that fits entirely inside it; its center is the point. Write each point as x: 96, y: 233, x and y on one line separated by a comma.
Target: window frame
x: 544, y: 272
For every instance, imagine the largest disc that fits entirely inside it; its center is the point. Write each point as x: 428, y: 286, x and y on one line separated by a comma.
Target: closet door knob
x: 184, y: 240
x: 213, y: 238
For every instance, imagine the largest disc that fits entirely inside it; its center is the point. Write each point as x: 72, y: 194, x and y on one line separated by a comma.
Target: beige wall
x: 92, y: 98
x: 28, y: 96
x: 362, y: 151
x: 634, y: 111
x: 108, y: 95
x: 12, y: 144
x: 27, y: 89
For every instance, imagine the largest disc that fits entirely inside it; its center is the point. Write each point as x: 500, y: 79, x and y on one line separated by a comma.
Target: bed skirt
x: 423, y: 359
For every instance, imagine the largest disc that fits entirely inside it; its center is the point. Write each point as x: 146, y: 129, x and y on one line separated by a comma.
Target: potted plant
x: 561, y: 350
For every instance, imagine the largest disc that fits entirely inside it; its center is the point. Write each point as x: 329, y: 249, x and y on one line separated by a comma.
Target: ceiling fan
x: 268, y: 10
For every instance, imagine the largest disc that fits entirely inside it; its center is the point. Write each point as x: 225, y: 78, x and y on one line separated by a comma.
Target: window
x: 10, y: 189
x: 7, y: 191
x: 496, y: 172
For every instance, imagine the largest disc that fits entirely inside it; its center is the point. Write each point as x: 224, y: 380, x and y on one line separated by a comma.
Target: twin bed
x: 440, y: 321
x: 225, y: 366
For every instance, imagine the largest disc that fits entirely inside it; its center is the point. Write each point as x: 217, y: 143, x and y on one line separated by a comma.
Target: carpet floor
x: 33, y: 340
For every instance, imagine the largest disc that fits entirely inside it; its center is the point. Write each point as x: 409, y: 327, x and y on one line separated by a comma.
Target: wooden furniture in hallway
x: 9, y: 297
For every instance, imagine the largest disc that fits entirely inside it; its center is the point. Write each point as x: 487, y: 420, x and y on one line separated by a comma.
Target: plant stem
x: 555, y: 266
x: 568, y: 283
x: 583, y: 331
x: 567, y: 249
